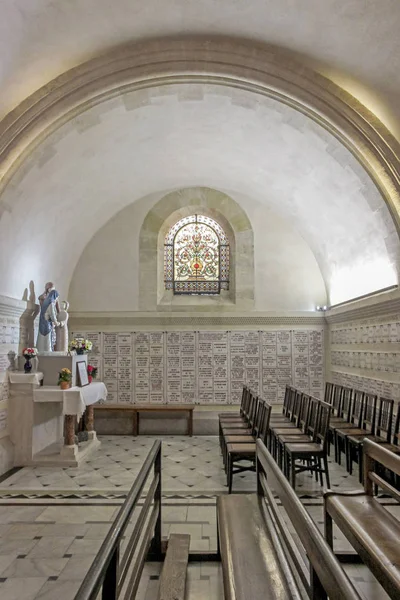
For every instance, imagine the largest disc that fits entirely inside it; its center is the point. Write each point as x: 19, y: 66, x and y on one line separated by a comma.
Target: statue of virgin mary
x: 48, y: 321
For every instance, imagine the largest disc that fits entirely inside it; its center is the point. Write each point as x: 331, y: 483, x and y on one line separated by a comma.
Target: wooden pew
x: 173, y: 575
x: 261, y: 559
x: 372, y: 531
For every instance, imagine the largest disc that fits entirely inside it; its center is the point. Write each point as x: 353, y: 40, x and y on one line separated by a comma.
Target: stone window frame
x: 163, y: 215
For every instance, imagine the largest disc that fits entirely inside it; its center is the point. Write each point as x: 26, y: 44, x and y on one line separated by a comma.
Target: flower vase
x: 65, y: 385
x: 80, y: 351
x: 27, y: 365
x: 90, y: 378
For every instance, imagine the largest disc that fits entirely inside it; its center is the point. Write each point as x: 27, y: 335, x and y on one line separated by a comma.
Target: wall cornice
x: 261, y: 69
x: 380, y: 306
x: 126, y: 321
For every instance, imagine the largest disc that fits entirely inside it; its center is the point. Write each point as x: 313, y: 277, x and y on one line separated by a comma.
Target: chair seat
x: 358, y: 438
x: 392, y: 447
x: 291, y: 431
x: 233, y: 420
x: 239, y: 439
x: 242, y: 448
x: 229, y: 414
x: 234, y: 426
x: 287, y: 439
x: 237, y: 432
x: 285, y: 430
x: 306, y: 448
x: 350, y: 431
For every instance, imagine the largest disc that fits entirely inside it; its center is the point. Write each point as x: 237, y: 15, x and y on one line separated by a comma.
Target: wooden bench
x: 136, y: 409
x: 173, y: 575
x: 372, y: 531
x: 260, y: 558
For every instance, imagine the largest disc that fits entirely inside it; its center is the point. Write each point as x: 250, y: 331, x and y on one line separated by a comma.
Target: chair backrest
x: 346, y: 403
x: 336, y: 399
x: 324, y: 412
x: 303, y: 414
x: 253, y: 408
x: 244, y: 400
x: 286, y: 399
x: 265, y: 424
x: 385, y: 418
x: 291, y: 403
x: 296, y: 406
x: 357, y: 408
x: 329, y: 387
x: 259, y: 418
x: 396, y: 430
x: 369, y: 413
x: 312, y: 417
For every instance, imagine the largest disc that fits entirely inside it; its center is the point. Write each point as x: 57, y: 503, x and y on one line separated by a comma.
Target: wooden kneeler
x: 173, y: 576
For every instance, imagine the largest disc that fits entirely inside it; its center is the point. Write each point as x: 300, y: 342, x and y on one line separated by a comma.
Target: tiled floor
x: 59, y: 517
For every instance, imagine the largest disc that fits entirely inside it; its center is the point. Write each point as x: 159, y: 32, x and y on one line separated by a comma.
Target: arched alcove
x: 157, y: 223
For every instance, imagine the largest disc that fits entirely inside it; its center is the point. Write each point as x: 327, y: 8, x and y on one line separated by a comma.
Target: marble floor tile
x: 85, y: 546
x: 76, y: 568
x: 51, y: 546
x: 58, y: 590
x: 35, y: 567
x: 22, y: 589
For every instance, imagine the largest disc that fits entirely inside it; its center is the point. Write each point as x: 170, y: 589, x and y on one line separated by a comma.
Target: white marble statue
x: 48, y: 320
x: 62, y: 332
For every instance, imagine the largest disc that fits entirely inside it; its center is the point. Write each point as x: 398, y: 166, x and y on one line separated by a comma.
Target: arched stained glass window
x: 196, y: 257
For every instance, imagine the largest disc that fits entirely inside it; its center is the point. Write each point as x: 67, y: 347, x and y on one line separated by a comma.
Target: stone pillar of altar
x: 23, y: 418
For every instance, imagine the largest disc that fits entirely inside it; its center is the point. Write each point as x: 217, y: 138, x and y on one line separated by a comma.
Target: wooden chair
x: 245, y: 425
x: 287, y: 407
x: 367, y: 424
x: 313, y: 453
x: 329, y: 388
x: 381, y: 435
x: 292, y: 424
x: 242, y: 438
x: 342, y: 399
x: 237, y: 453
x: 237, y: 415
x: 305, y: 431
x: 354, y: 422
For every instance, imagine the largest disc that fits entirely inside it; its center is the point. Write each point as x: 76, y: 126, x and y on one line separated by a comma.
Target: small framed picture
x: 83, y: 378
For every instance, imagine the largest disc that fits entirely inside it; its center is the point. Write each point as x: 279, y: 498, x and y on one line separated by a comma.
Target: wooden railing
x: 108, y: 572
x: 324, y: 575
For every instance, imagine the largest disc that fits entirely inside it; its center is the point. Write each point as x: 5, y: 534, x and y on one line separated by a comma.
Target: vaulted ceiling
x: 199, y: 133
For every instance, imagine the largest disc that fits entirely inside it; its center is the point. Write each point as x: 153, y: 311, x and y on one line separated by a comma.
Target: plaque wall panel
x: 207, y: 367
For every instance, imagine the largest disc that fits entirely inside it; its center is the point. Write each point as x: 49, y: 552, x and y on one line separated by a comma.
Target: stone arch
x: 261, y: 69
x: 156, y: 224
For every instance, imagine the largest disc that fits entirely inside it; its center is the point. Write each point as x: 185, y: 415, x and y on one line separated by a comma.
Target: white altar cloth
x: 74, y: 400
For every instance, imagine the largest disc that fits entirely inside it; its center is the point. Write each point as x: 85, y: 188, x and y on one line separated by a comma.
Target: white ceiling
x: 355, y: 42
x: 228, y: 139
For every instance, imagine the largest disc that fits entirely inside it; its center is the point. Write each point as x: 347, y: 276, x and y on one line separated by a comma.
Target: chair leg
x: 320, y: 471
x: 360, y: 463
x: 230, y: 474
x: 328, y: 483
x: 293, y: 473
x: 328, y: 529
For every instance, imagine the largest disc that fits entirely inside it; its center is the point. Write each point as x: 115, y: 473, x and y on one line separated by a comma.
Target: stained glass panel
x: 196, y: 257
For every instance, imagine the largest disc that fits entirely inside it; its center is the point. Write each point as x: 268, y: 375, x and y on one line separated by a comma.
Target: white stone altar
x: 51, y: 363
x: 42, y: 420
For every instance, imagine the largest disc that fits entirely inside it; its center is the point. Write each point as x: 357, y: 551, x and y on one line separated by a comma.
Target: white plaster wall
x: 287, y: 276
